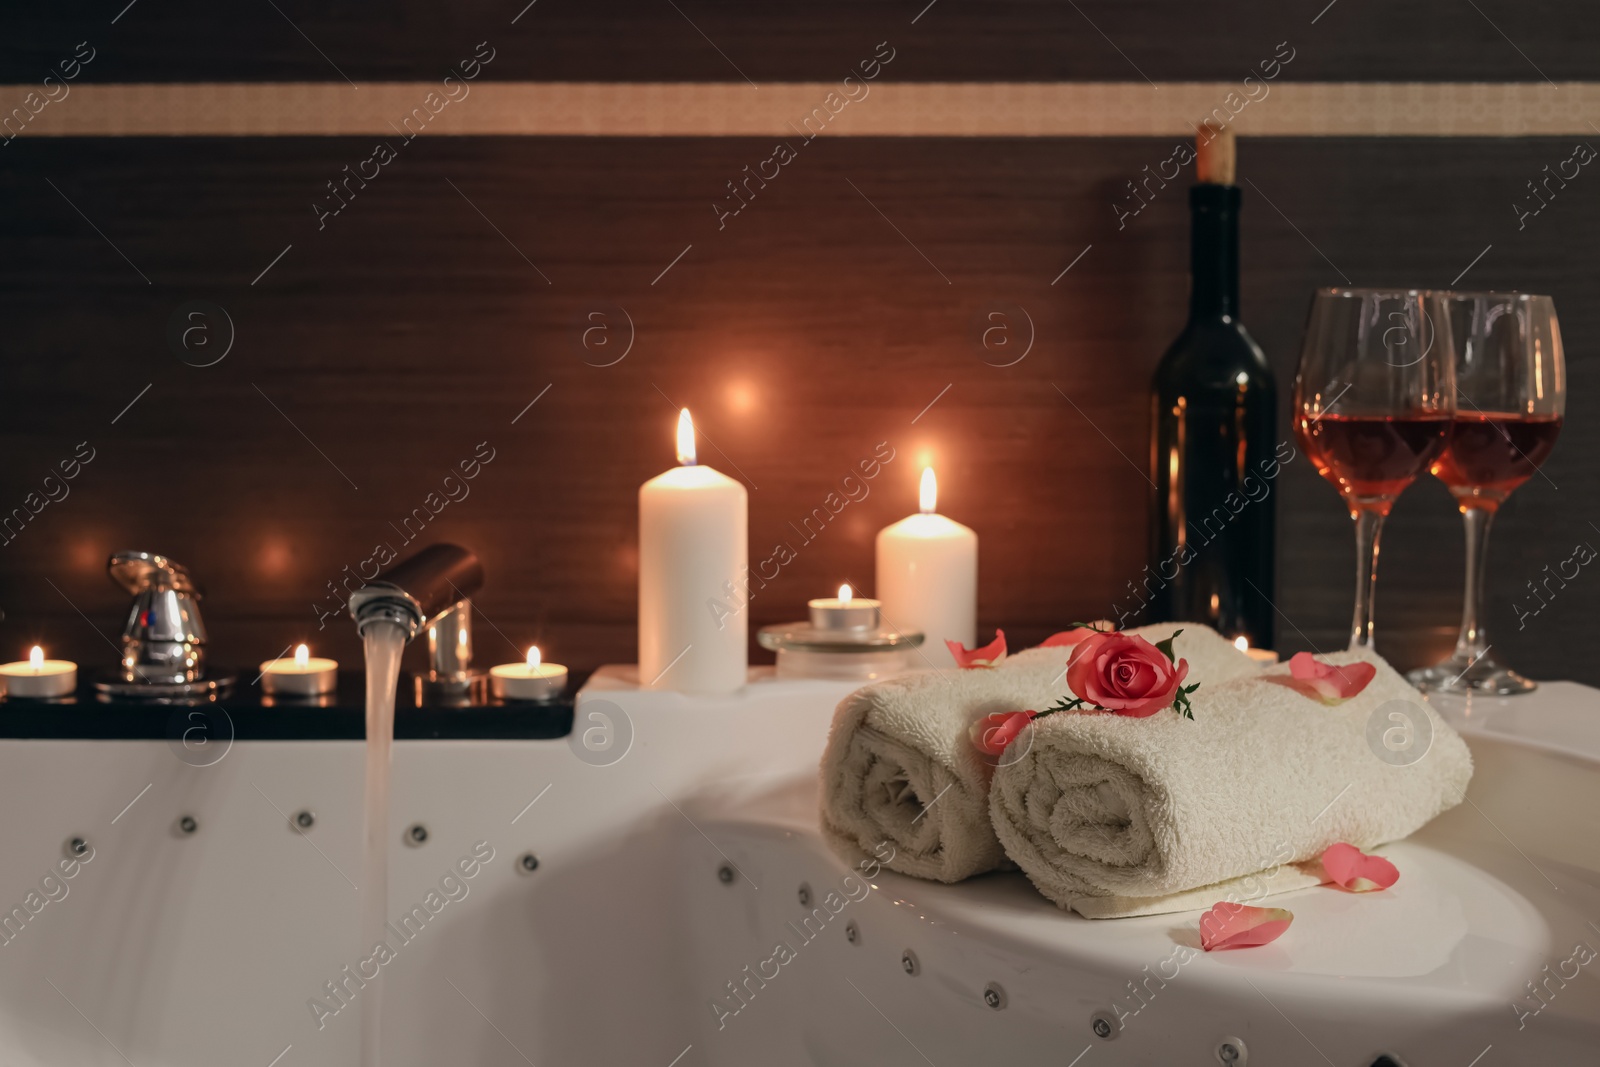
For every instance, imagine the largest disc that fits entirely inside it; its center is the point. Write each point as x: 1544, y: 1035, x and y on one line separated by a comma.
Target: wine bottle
x: 1213, y: 450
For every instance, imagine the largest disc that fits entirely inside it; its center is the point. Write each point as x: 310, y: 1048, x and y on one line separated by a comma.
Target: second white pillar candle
x: 927, y: 577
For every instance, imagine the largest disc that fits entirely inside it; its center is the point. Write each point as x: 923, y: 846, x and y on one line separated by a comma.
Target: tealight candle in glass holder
x: 302, y: 676
x: 39, y: 678
x: 843, y: 639
x: 532, y: 680
x: 844, y: 612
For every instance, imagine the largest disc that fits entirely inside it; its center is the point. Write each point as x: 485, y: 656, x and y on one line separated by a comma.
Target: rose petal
x: 1328, y: 682
x: 1350, y: 868
x: 992, y: 733
x: 987, y: 656
x: 1305, y: 666
x: 1305, y: 689
x: 1230, y: 925
x: 1068, y: 638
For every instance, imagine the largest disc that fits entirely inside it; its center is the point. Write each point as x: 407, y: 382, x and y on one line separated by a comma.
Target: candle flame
x: 928, y: 495
x: 36, y: 657
x: 533, y: 657
x: 302, y: 656
x: 1241, y: 644
x: 686, y: 455
x: 845, y: 594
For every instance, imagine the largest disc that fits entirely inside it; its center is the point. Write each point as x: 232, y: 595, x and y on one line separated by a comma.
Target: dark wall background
x: 380, y: 351
x: 803, y: 40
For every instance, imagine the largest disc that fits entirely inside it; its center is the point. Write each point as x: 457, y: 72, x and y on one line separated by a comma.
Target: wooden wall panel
x: 801, y: 40
x: 378, y: 351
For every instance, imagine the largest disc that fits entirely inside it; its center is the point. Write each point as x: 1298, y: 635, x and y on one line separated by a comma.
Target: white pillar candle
x: 533, y: 680
x: 693, y: 557
x: 928, y: 577
x: 38, y: 677
x: 303, y: 676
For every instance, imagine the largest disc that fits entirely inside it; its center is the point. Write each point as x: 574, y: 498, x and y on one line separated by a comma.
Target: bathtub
x: 620, y: 897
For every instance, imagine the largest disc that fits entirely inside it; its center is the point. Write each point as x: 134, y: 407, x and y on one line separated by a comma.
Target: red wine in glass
x: 1511, y: 383
x: 1373, y: 398
x: 1371, y: 458
x: 1490, y: 454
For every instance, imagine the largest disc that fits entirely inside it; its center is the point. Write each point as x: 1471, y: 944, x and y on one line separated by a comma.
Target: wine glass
x: 1511, y: 394
x: 1373, y: 399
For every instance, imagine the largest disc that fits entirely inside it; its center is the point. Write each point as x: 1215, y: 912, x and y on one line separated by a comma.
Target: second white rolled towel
x: 1113, y: 816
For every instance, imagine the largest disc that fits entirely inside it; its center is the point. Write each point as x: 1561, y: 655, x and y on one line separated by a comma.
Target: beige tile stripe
x: 988, y: 109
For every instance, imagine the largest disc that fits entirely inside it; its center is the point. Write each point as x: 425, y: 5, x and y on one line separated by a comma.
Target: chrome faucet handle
x: 137, y: 571
x: 163, y: 641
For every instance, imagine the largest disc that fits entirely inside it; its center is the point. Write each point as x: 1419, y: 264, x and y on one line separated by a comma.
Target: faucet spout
x: 418, y: 590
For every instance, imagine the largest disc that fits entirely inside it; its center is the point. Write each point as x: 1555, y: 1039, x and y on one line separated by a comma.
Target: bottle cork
x: 1214, y: 158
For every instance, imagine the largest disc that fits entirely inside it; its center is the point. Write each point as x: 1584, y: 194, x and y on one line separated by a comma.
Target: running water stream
x: 384, y: 643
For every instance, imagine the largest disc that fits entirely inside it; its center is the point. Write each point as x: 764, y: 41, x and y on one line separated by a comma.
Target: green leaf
x: 1166, y: 646
x: 1180, y: 700
x: 1063, y: 704
x: 1070, y: 704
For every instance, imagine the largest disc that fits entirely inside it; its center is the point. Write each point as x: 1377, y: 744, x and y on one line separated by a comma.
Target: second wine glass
x: 1373, y: 396
x: 1510, y: 400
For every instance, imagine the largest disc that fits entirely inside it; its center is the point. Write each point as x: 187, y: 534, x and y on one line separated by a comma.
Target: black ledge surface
x: 246, y: 714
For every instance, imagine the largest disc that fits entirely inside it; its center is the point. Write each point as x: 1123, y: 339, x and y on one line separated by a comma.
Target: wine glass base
x: 1461, y: 675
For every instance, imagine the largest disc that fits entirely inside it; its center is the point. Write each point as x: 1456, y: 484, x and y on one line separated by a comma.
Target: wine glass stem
x: 1369, y: 525
x: 1473, y: 640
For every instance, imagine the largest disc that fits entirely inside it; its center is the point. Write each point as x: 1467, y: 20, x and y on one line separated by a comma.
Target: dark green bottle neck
x: 1214, y: 252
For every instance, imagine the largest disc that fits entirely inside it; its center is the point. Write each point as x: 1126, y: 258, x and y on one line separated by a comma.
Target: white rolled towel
x: 1113, y: 816
x: 900, y: 766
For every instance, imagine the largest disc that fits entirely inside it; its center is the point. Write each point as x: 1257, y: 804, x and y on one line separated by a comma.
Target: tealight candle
x: 302, y: 676
x: 844, y: 612
x: 1264, y: 656
x: 39, y: 677
x: 928, y: 576
x: 532, y: 680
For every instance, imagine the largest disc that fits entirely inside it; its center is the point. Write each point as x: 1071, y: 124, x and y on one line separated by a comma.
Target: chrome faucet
x: 428, y: 590
x: 164, y: 639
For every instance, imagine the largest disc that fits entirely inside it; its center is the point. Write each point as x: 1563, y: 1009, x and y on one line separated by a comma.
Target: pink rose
x: 1125, y: 674
x: 992, y: 733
